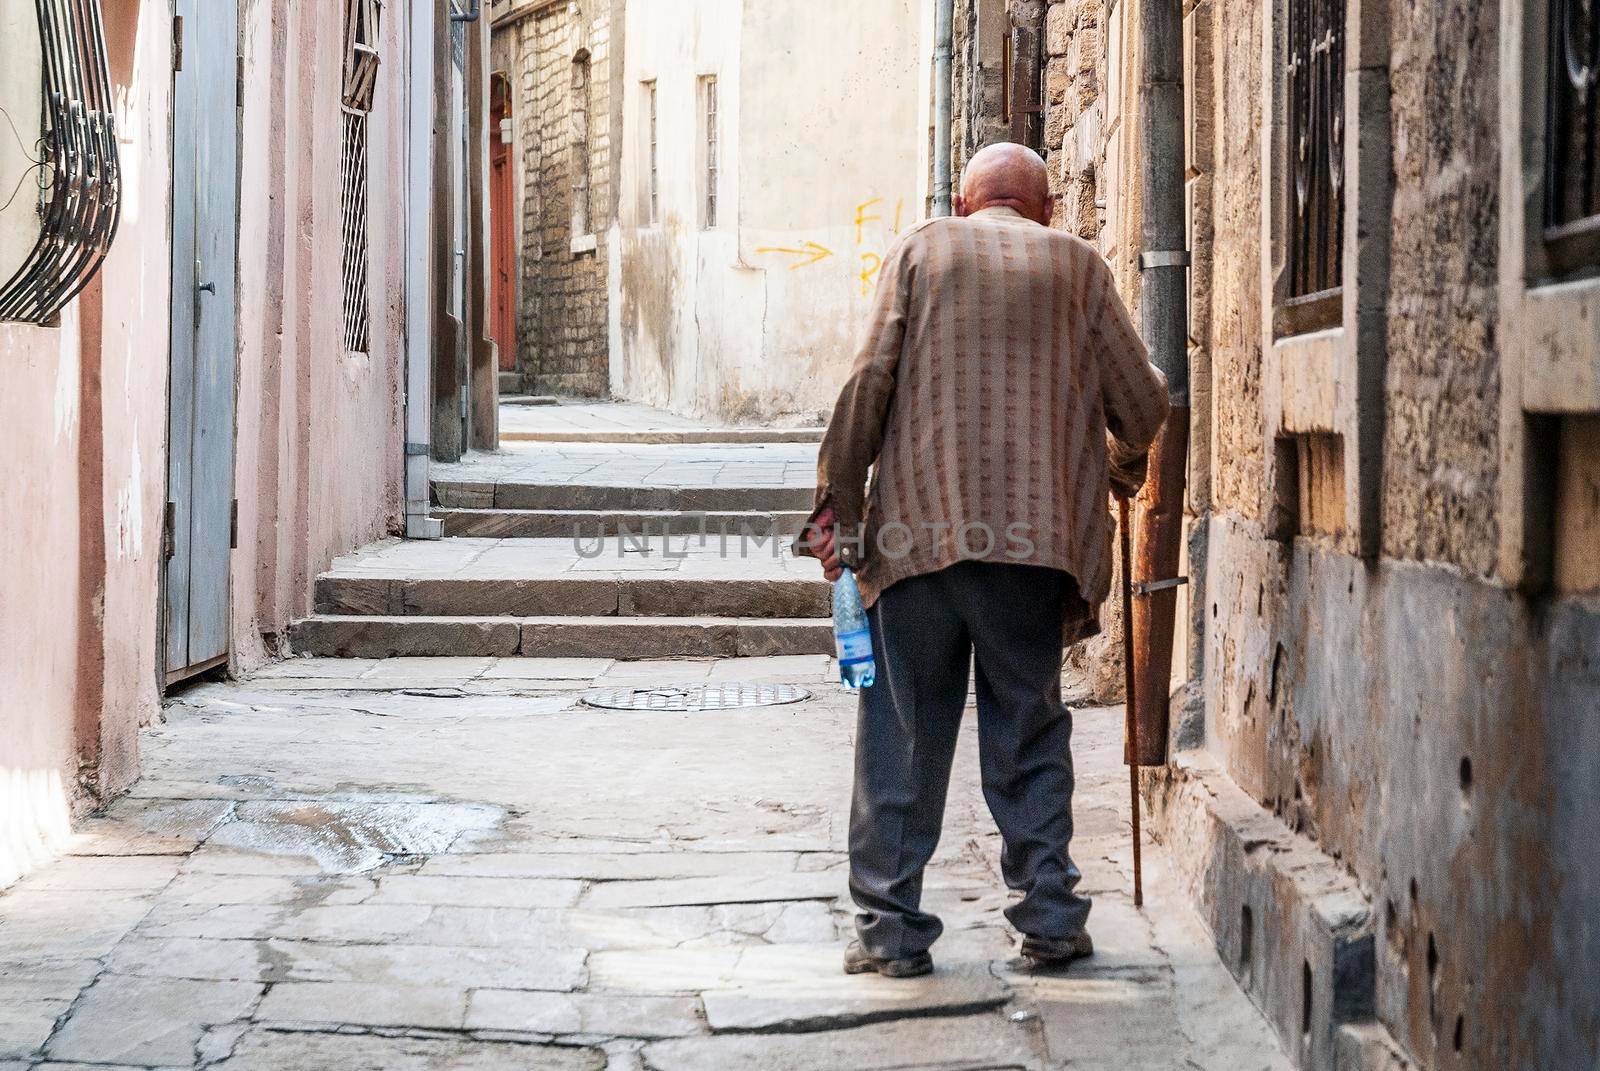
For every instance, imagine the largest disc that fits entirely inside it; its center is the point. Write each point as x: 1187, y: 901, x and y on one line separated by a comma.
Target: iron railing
x: 1315, y: 172
x: 80, y: 180
x: 1572, y: 165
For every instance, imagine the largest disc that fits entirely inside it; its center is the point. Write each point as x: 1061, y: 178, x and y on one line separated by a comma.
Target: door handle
x: 207, y: 288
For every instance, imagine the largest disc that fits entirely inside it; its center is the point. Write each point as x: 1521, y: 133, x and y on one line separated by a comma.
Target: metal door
x: 200, y: 420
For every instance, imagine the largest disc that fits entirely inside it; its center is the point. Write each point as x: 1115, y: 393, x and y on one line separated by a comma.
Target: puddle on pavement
x: 352, y: 837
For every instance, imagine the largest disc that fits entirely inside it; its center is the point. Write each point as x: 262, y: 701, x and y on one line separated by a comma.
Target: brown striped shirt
x: 997, y: 359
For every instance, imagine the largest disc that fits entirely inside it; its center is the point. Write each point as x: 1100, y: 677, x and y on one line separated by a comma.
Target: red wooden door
x: 502, y: 207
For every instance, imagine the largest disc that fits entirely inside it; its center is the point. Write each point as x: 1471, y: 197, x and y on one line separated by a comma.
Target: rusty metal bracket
x: 1151, y: 587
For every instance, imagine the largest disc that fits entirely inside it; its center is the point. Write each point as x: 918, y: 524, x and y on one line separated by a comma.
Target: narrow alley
x: 409, y: 659
x: 452, y: 861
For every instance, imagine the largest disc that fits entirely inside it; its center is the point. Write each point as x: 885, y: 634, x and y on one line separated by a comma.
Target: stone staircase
x: 538, y: 563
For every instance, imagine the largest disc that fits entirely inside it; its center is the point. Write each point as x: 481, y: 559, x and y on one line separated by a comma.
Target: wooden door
x: 200, y: 418
x: 503, y: 229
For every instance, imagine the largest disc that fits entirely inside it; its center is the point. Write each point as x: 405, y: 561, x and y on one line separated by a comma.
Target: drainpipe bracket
x: 1151, y: 587
x: 1174, y: 258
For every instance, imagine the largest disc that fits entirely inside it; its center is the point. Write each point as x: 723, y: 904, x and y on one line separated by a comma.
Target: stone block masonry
x: 558, y: 59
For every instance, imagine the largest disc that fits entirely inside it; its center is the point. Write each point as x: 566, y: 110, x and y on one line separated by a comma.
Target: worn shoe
x: 1057, y: 951
x: 858, y: 960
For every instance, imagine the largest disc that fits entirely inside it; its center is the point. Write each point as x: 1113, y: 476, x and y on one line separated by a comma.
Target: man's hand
x: 820, y: 537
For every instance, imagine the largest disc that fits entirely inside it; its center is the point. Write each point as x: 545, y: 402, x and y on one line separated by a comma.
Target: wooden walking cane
x: 1131, y: 743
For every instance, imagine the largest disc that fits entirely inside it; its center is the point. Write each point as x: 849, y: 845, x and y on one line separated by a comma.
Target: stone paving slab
x: 795, y: 988
x: 543, y: 559
x: 637, y: 524
x: 969, y: 1043
x: 611, y: 638
x: 623, y: 465
x: 137, y: 874
x: 579, y: 415
x: 274, y: 1050
x: 680, y: 928
x: 488, y: 919
x: 456, y: 891
x: 192, y: 959
x: 148, y: 1021
x: 600, y: 866
x: 327, y: 1004
x: 444, y: 966
x: 584, y: 1013
x: 689, y: 892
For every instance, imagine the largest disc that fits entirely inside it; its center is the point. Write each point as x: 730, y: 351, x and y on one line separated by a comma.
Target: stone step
x: 664, y: 436
x: 599, y: 596
x: 461, y: 494
x: 630, y: 639
x: 590, y: 524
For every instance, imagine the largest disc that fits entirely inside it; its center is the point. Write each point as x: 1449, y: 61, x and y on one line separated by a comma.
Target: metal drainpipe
x: 944, y: 22
x: 420, y: 522
x: 1164, y: 307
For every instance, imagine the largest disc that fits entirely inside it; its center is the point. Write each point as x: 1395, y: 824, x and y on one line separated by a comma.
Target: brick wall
x: 562, y: 345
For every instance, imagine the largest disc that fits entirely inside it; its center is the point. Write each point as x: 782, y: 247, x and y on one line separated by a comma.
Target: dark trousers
x: 925, y: 632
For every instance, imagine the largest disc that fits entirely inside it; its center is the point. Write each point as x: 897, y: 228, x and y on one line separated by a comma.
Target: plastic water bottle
x: 852, y: 636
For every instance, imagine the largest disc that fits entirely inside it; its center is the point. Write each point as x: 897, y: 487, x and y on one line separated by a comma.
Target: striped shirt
x: 999, y: 389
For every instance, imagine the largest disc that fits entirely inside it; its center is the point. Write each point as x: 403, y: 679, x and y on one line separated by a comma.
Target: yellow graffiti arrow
x: 811, y: 251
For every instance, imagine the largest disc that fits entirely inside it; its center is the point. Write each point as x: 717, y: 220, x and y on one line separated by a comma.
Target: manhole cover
x: 696, y: 697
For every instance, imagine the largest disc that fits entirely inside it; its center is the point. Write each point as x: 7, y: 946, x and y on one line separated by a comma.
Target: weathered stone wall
x: 1236, y: 459
x: 1442, y: 454
x: 562, y: 340
x: 1427, y: 728
x: 1074, y: 81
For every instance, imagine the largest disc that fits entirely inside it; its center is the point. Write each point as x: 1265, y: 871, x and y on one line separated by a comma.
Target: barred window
x: 582, y: 149
x: 360, y: 79
x: 60, y: 179
x: 1314, y: 84
x: 1572, y: 166
x: 654, y: 177
x: 709, y: 93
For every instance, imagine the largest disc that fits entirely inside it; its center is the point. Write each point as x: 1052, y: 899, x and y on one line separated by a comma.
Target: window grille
x: 711, y: 153
x: 73, y: 169
x: 655, y: 158
x: 1315, y: 172
x: 1572, y: 168
x: 581, y: 150
x: 360, y: 80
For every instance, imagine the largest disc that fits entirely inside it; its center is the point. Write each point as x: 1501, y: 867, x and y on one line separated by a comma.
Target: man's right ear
x: 959, y: 206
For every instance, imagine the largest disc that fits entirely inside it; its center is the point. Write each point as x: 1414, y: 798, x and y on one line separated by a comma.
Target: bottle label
x: 854, y: 647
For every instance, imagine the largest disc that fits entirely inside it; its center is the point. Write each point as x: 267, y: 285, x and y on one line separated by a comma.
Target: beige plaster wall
x: 823, y: 131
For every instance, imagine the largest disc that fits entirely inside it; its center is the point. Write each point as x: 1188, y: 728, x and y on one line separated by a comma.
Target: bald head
x: 1007, y: 176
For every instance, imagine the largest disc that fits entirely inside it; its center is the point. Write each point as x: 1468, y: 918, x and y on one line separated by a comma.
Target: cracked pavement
x: 449, y: 863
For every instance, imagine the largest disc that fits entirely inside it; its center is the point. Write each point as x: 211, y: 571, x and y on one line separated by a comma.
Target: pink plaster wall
x: 319, y: 445
x: 84, y: 412
x: 83, y: 408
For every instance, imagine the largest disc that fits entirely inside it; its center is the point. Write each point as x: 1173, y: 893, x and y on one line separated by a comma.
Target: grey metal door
x: 200, y: 419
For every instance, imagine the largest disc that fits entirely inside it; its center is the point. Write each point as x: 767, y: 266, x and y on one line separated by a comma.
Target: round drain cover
x: 696, y: 697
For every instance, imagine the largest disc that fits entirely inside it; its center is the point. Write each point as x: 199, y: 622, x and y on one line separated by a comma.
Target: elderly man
x: 1001, y: 392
